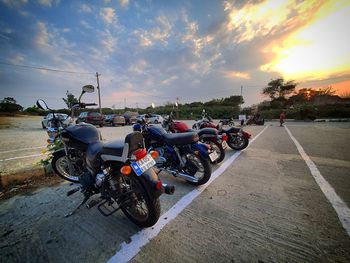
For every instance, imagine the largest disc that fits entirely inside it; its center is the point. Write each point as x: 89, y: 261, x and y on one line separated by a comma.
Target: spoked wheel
x: 60, y: 164
x: 142, y: 209
x: 238, y: 142
x: 198, y: 167
x: 217, y: 147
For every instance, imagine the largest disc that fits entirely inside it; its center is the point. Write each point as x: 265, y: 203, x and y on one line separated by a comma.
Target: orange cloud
x: 236, y: 74
x: 320, y: 49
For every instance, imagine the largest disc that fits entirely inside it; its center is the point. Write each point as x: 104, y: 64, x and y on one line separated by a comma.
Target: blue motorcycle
x: 180, y: 154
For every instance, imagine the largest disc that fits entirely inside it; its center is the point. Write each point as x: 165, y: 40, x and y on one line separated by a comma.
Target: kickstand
x: 86, y: 197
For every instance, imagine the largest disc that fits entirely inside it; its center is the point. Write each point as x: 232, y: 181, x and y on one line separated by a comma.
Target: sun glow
x: 317, y: 51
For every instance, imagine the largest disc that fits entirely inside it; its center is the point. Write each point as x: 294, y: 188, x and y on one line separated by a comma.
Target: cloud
x: 14, y: 3
x: 48, y: 3
x: 139, y: 67
x: 17, y: 59
x: 108, y: 41
x: 85, y: 8
x: 236, y: 74
x: 86, y: 24
x: 315, y: 51
x: 158, y: 34
x: 42, y: 38
x: 267, y: 17
x: 124, y: 3
x: 169, y: 80
x: 108, y: 15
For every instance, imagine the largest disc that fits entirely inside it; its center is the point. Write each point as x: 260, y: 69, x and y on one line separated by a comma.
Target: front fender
x: 57, y: 152
x: 202, y: 148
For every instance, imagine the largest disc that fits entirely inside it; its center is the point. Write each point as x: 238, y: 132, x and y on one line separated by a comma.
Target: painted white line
x: 338, y: 204
x: 22, y: 157
x: 140, y: 239
x: 24, y: 149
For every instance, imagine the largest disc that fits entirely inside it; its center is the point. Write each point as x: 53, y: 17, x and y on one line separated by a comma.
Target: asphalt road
x: 266, y: 206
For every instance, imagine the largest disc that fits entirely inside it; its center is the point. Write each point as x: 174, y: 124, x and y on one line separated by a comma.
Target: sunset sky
x: 155, y: 51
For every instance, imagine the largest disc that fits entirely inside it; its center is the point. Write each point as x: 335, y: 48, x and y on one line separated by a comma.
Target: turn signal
x: 126, y: 170
x: 196, y: 153
x: 154, y: 154
x: 224, y: 137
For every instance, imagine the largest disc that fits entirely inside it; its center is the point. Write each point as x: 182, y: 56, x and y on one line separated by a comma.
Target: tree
x: 279, y: 88
x: 9, y: 100
x: 9, y: 104
x: 70, y: 100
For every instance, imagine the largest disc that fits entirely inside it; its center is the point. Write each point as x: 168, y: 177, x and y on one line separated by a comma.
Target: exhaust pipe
x: 168, y: 189
x: 183, y: 176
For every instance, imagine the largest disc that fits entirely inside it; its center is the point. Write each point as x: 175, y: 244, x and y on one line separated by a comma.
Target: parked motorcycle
x: 121, y: 173
x: 179, y: 153
x: 208, y: 136
x: 237, y: 138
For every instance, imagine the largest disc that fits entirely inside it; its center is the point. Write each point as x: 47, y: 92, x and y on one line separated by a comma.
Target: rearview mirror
x: 88, y: 88
x: 42, y: 105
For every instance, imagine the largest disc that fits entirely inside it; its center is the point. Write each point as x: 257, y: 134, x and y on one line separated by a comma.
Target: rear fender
x: 150, y: 179
x: 246, y: 135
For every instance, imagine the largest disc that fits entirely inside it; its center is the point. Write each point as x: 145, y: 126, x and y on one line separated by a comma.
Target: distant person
x: 282, y: 118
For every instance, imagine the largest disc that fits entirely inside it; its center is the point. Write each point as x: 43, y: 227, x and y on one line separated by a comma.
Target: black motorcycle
x: 180, y: 154
x: 119, y: 173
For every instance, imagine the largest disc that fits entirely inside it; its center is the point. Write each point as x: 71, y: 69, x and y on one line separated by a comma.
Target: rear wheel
x: 198, y: 167
x: 217, y: 147
x: 60, y: 164
x: 142, y: 209
x: 237, y: 142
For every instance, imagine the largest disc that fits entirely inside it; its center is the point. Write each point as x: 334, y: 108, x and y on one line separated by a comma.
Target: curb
x: 21, y: 176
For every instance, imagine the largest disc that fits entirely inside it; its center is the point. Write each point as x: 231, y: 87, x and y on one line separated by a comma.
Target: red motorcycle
x: 208, y: 136
x: 237, y: 138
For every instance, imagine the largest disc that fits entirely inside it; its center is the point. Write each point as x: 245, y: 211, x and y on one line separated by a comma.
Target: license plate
x: 213, y: 156
x: 224, y: 145
x: 143, y: 165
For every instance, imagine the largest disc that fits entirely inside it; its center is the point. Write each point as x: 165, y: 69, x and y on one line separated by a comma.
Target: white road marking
x: 24, y: 149
x: 338, y: 204
x: 22, y: 157
x: 140, y: 239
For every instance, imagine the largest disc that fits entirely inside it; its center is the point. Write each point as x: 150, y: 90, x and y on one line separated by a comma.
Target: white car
x: 156, y: 119
x: 64, y: 118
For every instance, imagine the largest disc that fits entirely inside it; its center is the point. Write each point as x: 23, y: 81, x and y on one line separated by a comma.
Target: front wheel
x: 198, y: 167
x: 142, y: 209
x: 217, y: 147
x: 237, y: 142
x: 60, y: 164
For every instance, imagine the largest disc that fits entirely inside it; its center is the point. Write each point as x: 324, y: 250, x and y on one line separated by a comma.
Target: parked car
x: 109, y: 119
x: 94, y: 118
x: 118, y: 120
x: 154, y: 118
x: 130, y: 117
x: 64, y: 118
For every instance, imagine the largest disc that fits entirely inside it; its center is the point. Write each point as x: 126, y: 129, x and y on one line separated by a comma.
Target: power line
x: 44, y: 68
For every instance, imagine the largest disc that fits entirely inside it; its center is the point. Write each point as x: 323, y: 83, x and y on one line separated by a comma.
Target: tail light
x: 140, y: 153
x: 224, y: 137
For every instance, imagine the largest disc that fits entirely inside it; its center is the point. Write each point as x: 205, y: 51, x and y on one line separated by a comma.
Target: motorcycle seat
x: 117, y: 150
x: 230, y: 130
x: 207, y: 131
x: 180, y: 138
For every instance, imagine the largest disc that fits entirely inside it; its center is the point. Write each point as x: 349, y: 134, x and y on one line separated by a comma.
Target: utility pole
x: 99, y: 94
